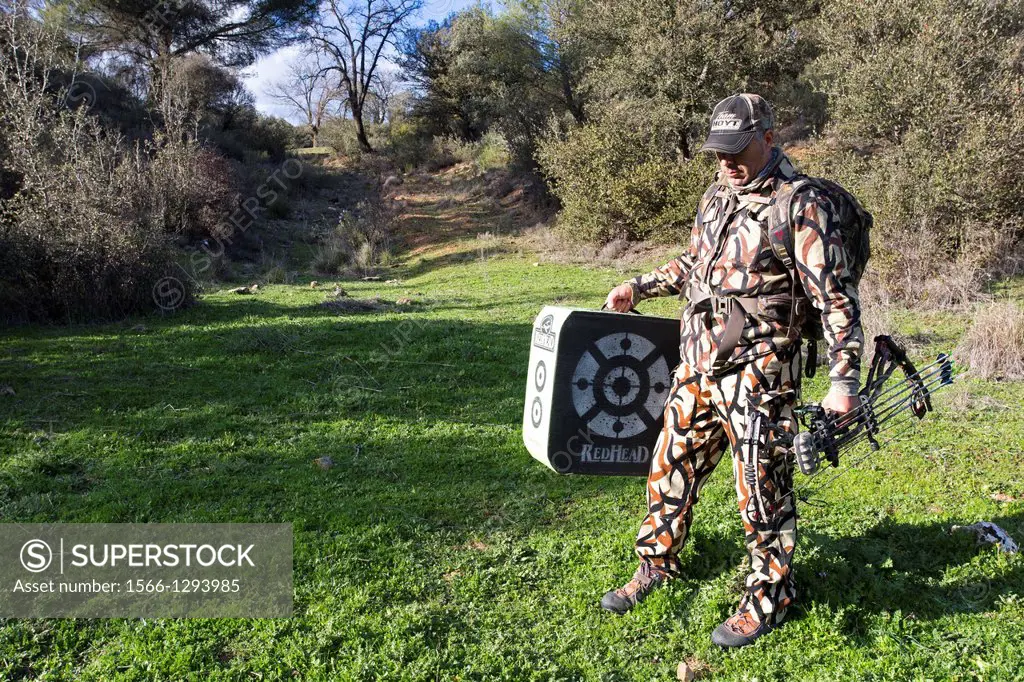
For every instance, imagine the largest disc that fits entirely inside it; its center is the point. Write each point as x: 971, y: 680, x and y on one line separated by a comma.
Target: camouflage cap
x: 735, y: 121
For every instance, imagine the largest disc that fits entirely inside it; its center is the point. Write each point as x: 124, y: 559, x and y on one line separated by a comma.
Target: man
x: 740, y: 363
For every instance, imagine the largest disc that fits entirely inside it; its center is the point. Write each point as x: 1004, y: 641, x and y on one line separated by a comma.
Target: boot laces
x: 646, y: 574
x: 742, y: 623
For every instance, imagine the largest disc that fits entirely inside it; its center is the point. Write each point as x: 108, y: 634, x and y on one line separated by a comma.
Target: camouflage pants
x: 703, y: 415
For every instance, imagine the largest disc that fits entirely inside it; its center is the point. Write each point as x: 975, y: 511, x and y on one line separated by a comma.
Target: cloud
x: 266, y: 71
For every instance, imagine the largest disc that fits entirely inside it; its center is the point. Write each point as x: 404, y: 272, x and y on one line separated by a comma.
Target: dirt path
x: 440, y: 212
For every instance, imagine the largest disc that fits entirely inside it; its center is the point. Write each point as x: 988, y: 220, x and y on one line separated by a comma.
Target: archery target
x: 620, y: 385
x: 596, y: 387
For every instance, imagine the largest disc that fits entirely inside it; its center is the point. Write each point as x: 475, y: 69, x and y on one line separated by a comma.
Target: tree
x: 153, y: 34
x: 687, y: 55
x: 383, y: 91
x: 355, y: 38
x: 551, y: 28
x: 307, y: 90
x: 442, y: 103
x: 509, y: 72
x: 654, y: 70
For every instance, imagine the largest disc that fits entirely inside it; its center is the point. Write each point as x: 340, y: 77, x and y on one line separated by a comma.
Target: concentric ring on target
x: 620, y: 385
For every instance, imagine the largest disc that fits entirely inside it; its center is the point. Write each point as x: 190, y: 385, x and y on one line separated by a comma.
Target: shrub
x: 616, y: 181
x: 192, y: 189
x: 994, y: 345
x: 80, y: 234
x: 360, y: 243
x: 925, y: 131
x: 928, y: 247
x: 492, y: 152
x: 340, y: 134
x: 407, y: 145
x: 79, y: 241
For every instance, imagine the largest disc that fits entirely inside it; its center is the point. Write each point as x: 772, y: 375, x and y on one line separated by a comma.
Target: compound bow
x: 827, y: 435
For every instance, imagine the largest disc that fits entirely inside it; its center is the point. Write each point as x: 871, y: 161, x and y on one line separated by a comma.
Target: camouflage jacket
x: 730, y: 255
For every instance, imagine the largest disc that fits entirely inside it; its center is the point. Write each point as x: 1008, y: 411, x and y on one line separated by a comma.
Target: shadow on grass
x: 900, y: 567
x: 183, y: 423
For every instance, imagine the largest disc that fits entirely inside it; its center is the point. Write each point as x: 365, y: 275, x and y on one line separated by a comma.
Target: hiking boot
x: 646, y: 578
x: 740, y: 629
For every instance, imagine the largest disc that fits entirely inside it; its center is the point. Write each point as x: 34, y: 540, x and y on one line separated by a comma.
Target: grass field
x: 436, y: 548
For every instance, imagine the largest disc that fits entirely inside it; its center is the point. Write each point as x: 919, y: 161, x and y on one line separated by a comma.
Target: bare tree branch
x: 356, y: 37
x: 307, y: 90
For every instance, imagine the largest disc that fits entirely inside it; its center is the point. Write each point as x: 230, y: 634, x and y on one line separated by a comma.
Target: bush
x: 491, y: 152
x: 82, y: 233
x: 192, y: 189
x: 252, y: 134
x: 925, y: 132
x: 928, y: 249
x: 407, y: 146
x: 340, y: 133
x: 615, y: 180
x: 360, y: 243
x: 79, y: 241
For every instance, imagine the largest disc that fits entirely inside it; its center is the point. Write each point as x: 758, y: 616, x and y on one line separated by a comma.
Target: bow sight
x: 826, y: 434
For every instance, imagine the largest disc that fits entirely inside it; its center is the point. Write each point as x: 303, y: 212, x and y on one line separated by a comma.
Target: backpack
x: 855, y: 226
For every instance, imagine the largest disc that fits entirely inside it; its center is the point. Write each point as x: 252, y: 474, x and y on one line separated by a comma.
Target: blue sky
x: 272, y: 67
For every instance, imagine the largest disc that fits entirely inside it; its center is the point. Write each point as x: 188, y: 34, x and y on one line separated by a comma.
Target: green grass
x: 436, y: 548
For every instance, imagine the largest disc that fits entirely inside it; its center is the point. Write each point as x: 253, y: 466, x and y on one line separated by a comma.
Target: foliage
x: 82, y: 223
x: 407, y: 145
x: 657, y: 71
x: 681, y: 58
x: 342, y: 135
x: 360, y: 243
x: 252, y: 133
x: 615, y: 180
x: 152, y: 35
x: 481, y: 72
x: 893, y: 67
x: 191, y: 189
x: 927, y: 132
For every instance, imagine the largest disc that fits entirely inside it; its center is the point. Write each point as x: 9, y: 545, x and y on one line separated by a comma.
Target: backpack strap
x: 780, y: 236
x: 780, y: 221
x: 715, y: 189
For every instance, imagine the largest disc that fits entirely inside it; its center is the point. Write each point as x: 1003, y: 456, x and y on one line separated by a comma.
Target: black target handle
x: 604, y: 306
